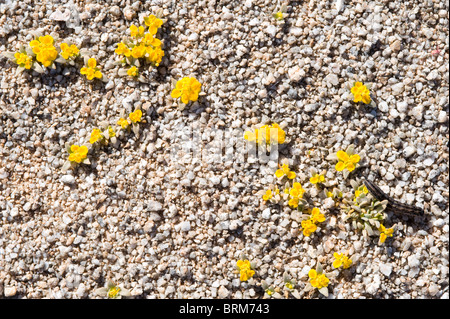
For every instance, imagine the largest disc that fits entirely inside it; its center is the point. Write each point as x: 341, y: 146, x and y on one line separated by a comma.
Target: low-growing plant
x: 188, y: 89
x: 318, y: 279
x: 365, y: 212
x: 347, y: 160
x: 141, y: 48
x: 111, y: 291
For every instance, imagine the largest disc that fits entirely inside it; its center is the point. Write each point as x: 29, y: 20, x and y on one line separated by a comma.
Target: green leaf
x: 66, y: 166
x: 319, y: 268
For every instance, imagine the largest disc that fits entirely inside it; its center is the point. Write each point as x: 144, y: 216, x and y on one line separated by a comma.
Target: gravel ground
x: 170, y: 227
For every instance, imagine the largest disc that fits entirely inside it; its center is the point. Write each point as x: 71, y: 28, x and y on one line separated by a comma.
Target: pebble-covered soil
x: 168, y: 226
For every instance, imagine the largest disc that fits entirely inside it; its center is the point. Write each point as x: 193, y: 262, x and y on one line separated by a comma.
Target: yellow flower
x: 285, y: 171
x: 360, y: 93
x: 267, y: 195
x: 317, y: 179
x: 111, y: 132
x: 245, y: 270
x: 122, y: 49
x: 359, y: 191
x: 91, y: 71
x: 346, y: 161
x: 153, y: 23
x: 155, y: 54
x: 341, y: 260
x: 133, y: 71
x: 135, y: 116
x: 296, y: 193
x: 123, y: 123
x: 149, y: 39
x: 95, y: 135
x: 318, y: 280
x: 317, y: 216
x: 136, y: 32
x: 23, y: 60
x: 69, y: 51
x: 278, y: 16
x: 289, y: 285
x: 252, y: 136
x: 138, y: 51
x: 272, y: 134
x: 308, y: 227
x: 188, y: 89
x: 113, y: 292
x: 45, y: 51
x: 385, y: 233
x: 277, y: 135
x: 78, y: 153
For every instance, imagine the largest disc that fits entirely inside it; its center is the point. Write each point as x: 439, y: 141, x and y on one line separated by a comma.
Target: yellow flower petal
x: 340, y: 166
x: 342, y: 156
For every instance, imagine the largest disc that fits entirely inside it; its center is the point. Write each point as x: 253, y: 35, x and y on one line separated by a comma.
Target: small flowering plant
x: 42, y: 53
x: 270, y: 291
x: 77, y: 155
x: 365, y: 212
x: 69, y: 53
x: 96, y: 135
x: 266, y: 135
x: 111, y: 291
x: 23, y: 60
x: 309, y: 225
x: 39, y: 54
x: 280, y: 14
x: 141, y: 47
x: 360, y: 93
x: 91, y: 70
x: 317, y: 178
x: 44, y: 49
x: 285, y: 171
x: 187, y: 90
x: 384, y: 233
x: 133, y: 120
x: 347, y: 160
x: 318, y: 279
x: 245, y: 268
x: 341, y: 260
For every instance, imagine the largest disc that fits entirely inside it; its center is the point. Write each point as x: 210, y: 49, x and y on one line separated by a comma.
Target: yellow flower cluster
x: 309, y: 225
x: 346, y: 161
x: 187, y: 89
x: 245, y: 270
x: 284, y: 170
x: 269, y: 194
x: 341, y: 260
x: 91, y: 70
x: 360, y: 93
x: 134, y: 117
x: 295, y: 194
x: 318, y: 280
x: 316, y: 179
x: 95, y: 135
x: 133, y: 71
x: 153, y: 23
x: 68, y: 52
x: 113, y: 292
x: 360, y: 190
x: 44, y: 49
x: 142, y: 45
x: 23, y: 60
x: 78, y: 153
x: 269, y: 134
x: 385, y: 233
